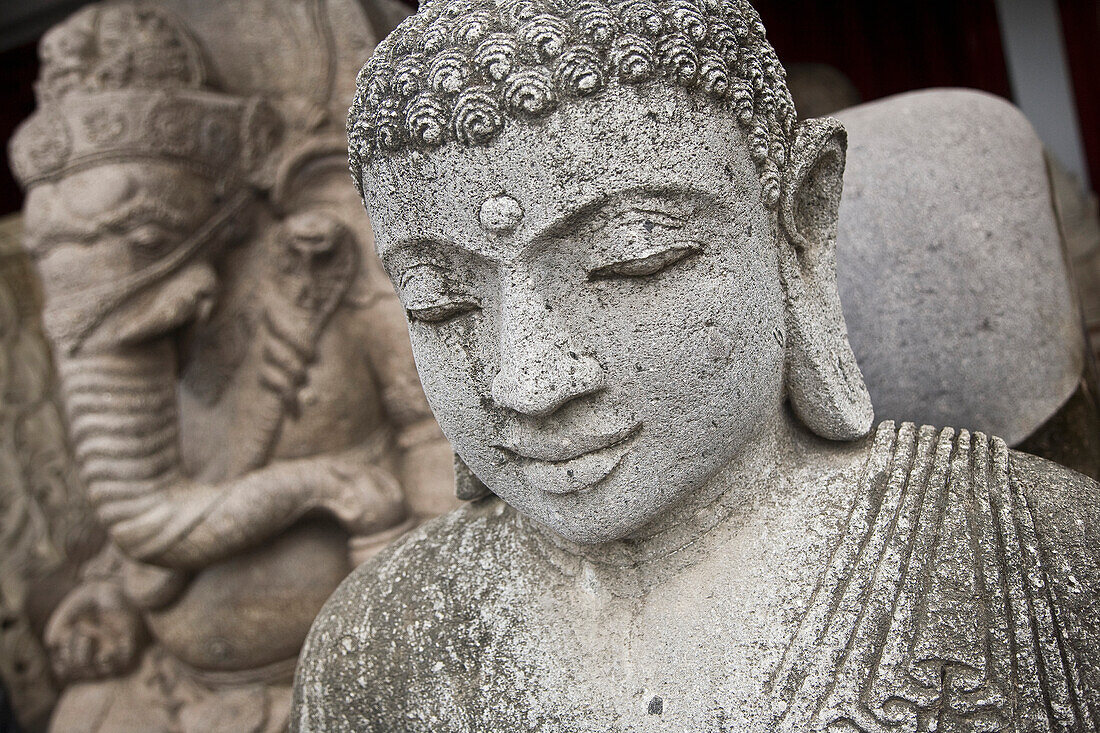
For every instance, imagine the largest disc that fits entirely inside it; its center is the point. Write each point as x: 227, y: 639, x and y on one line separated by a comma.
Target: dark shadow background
x: 891, y: 47
x: 7, y: 718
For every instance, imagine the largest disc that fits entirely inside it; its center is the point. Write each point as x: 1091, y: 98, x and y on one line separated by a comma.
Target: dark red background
x: 891, y: 47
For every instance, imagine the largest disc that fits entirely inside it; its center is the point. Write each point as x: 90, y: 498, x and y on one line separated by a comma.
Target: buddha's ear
x: 824, y: 384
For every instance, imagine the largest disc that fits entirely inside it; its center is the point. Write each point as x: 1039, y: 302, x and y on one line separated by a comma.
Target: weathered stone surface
x: 736, y: 621
x: 872, y: 241
x: 234, y: 365
x: 45, y: 530
x: 616, y: 251
x: 952, y: 270
x: 1080, y: 221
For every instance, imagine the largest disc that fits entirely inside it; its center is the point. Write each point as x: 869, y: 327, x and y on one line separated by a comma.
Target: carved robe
x: 936, y: 581
x: 956, y: 600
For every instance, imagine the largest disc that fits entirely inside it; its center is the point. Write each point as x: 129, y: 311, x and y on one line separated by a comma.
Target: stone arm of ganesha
x: 122, y: 398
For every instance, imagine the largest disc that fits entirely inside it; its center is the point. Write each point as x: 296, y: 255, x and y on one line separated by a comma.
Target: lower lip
x: 578, y: 474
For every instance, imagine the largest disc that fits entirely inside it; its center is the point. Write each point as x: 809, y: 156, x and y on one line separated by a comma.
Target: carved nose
x: 538, y: 380
x: 540, y: 371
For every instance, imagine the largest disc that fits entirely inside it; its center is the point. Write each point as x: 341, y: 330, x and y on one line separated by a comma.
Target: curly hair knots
x: 458, y: 70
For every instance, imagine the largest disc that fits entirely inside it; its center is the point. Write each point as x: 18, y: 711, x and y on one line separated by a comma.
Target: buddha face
x: 594, y: 304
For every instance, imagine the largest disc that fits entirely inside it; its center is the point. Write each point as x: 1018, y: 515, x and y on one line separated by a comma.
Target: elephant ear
x: 824, y: 384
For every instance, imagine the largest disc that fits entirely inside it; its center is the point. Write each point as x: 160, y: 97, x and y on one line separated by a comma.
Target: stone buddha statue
x: 615, y: 248
x: 234, y: 370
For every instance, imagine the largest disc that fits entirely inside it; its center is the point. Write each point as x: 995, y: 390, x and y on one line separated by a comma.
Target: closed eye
x: 151, y: 241
x: 442, y: 312
x: 643, y: 266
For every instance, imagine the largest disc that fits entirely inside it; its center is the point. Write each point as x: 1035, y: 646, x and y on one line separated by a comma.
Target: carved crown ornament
x: 214, y: 133
x: 126, y: 81
x: 122, y: 45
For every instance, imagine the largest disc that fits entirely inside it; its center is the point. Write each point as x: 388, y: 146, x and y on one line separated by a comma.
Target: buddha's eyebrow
x: 681, y: 201
x: 406, y: 251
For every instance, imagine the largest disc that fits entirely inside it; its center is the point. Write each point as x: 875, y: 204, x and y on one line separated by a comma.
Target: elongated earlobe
x: 824, y: 384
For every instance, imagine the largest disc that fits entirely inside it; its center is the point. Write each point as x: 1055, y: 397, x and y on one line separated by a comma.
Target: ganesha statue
x: 233, y: 366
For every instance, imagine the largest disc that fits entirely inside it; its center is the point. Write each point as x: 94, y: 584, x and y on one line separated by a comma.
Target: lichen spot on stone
x: 501, y: 214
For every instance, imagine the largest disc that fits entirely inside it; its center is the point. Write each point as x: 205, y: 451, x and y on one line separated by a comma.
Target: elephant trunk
x: 117, y: 359
x: 123, y: 416
x: 123, y: 419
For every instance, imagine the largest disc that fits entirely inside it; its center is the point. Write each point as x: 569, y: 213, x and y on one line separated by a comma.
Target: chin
x: 592, y: 525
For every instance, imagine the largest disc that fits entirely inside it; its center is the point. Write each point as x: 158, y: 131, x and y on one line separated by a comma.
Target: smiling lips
x: 571, y: 464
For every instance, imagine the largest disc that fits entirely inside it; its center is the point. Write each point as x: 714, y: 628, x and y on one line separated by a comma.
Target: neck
x: 730, y: 496
x: 733, y: 488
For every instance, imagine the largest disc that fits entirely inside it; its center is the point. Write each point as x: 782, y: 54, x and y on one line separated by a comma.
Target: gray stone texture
x: 616, y: 251
x: 1068, y: 431
x: 951, y: 266
x: 737, y: 620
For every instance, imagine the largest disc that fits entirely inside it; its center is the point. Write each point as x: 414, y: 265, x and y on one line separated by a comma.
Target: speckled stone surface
x: 616, y: 251
x: 890, y: 583
x: 951, y: 266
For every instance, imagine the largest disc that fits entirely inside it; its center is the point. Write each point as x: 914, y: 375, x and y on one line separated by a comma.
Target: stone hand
x: 365, y: 498
x: 94, y: 633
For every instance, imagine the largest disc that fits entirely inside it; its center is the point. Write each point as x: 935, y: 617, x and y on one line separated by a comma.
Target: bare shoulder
x: 408, y: 607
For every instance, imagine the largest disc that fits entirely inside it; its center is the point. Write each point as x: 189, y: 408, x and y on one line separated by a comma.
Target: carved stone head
x: 614, y: 244
x: 136, y: 173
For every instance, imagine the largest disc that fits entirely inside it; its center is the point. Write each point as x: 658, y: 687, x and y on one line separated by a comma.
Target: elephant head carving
x: 233, y: 364
x: 134, y: 194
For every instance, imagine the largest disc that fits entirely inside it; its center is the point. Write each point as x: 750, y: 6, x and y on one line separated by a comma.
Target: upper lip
x: 565, y: 448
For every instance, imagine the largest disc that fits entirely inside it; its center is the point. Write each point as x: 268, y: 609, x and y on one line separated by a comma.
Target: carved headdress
x: 458, y: 69
x: 125, y: 82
